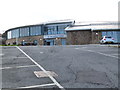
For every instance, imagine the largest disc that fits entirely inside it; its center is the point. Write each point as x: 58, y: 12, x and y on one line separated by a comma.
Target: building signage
x: 55, y: 36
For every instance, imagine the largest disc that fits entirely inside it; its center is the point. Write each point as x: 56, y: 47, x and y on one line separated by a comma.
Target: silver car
x: 107, y: 39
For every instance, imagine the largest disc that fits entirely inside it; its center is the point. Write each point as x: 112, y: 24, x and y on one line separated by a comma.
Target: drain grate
x: 40, y: 74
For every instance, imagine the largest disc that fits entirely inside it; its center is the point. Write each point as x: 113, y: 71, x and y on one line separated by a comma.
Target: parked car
x: 107, y: 39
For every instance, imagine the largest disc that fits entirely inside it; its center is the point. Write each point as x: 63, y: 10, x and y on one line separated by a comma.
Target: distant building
x: 62, y: 33
x: 0, y: 39
x: 4, y: 35
x: 92, y: 33
x: 49, y: 33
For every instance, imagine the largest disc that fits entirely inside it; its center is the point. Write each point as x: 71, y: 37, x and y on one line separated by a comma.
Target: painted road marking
x: 99, y: 53
x: 18, y: 67
x: 102, y: 53
x: 1, y: 54
x: 115, y: 54
x: 77, y: 48
x: 84, y: 47
x: 20, y: 57
x: 41, y: 52
x: 13, y: 57
x: 53, y: 79
x: 35, y: 86
x: 40, y: 74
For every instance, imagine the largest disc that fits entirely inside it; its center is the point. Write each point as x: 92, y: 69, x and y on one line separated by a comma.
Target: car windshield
x: 108, y: 37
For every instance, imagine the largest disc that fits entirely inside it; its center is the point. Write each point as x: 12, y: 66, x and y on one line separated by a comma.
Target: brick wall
x: 26, y: 39
x: 83, y: 37
x: 78, y: 37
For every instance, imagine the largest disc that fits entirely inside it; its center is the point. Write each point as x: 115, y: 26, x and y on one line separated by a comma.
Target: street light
x: 97, y: 36
x: 41, y: 42
x: 16, y: 41
x: 56, y: 38
x: 40, y: 39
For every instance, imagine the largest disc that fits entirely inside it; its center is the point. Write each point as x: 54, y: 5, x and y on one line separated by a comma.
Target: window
x: 9, y: 35
x: 15, y: 33
x: 35, y: 30
x: 52, y: 30
x: 61, y: 29
x: 49, y: 30
x: 24, y: 31
x: 45, y: 31
x: 55, y: 30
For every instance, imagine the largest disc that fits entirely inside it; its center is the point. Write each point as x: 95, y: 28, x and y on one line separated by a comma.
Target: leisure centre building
x: 50, y: 33
x: 64, y: 32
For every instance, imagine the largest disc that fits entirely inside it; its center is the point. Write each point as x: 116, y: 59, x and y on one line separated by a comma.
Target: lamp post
x: 92, y: 37
x: 41, y: 41
x: 97, y: 37
x: 16, y: 41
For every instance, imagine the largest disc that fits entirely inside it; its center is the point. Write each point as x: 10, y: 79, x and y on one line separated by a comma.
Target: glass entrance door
x: 49, y: 42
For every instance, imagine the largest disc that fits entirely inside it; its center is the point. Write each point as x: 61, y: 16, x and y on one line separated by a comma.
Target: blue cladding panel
x: 114, y: 34
x: 63, y: 41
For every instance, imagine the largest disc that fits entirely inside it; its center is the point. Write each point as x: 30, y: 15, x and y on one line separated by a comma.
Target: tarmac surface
x: 79, y: 66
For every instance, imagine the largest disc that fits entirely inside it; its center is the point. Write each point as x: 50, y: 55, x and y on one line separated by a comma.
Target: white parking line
x: 110, y: 55
x: 77, y: 48
x: 102, y: 54
x: 35, y: 86
x: 1, y: 54
x: 53, y: 79
x: 84, y: 47
x: 13, y: 57
x: 18, y: 67
x: 115, y: 54
x: 20, y: 57
x: 41, y: 52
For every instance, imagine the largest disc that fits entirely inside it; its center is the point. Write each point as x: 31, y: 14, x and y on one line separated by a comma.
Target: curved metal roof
x: 95, y: 26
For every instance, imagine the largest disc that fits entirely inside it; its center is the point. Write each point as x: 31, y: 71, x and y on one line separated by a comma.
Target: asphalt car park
x: 76, y: 66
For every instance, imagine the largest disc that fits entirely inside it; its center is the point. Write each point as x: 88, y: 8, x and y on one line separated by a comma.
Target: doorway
x: 49, y: 42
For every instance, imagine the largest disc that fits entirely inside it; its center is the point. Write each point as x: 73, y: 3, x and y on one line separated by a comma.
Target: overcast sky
x: 14, y: 13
